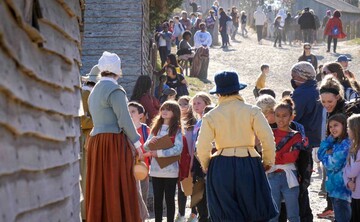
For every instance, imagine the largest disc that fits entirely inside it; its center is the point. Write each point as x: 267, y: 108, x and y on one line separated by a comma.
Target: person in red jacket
x: 142, y: 95
x: 334, y: 30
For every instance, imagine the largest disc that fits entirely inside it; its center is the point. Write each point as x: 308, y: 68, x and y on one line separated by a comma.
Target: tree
x: 160, y: 10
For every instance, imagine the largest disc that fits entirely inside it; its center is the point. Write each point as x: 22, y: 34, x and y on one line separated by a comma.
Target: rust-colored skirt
x: 111, y: 194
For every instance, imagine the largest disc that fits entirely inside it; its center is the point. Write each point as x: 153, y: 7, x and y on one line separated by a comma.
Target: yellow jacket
x: 233, y: 125
x: 260, y: 81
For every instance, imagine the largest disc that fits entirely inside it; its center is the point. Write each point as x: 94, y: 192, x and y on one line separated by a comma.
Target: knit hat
x: 110, y: 62
x: 304, y: 70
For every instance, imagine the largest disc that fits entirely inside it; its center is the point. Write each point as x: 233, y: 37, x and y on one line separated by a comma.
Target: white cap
x: 110, y: 62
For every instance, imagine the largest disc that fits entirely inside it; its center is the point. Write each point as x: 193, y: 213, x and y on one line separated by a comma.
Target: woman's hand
x: 153, y: 153
x: 147, y: 154
x: 140, y: 153
x: 267, y: 167
x: 153, y: 140
x: 330, y: 151
x: 351, y: 185
x: 205, y: 170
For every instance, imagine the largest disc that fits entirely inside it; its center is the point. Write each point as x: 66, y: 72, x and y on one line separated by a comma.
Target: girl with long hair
x: 164, y: 179
x: 307, y: 56
x: 352, y: 168
x: 351, y: 87
x: 332, y: 153
x: 142, y: 94
x: 188, y: 121
x: 171, y: 60
x: 199, y: 102
x: 176, y: 81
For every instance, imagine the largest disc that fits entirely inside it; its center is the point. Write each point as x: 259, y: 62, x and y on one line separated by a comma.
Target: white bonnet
x: 110, y: 62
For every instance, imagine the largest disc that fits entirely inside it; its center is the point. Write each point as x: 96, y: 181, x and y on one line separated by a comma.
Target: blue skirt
x: 238, y: 190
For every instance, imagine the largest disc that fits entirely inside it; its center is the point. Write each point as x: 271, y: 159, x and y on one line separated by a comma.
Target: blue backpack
x: 335, y: 31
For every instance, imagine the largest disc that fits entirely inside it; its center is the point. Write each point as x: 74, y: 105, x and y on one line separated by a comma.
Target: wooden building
x: 350, y: 15
x: 122, y: 27
x: 39, y: 100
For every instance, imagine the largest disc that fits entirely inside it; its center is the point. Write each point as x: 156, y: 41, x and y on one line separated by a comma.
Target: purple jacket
x: 352, y: 171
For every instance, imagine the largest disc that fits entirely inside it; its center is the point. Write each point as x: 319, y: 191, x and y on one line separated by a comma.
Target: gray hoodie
x: 259, y: 16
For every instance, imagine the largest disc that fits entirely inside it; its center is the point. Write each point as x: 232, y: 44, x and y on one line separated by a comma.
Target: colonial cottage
x: 39, y: 100
x: 122, y: 27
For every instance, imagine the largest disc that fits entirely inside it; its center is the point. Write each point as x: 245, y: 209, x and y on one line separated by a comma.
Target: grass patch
x: 195, y: 85
x: 354, y: 41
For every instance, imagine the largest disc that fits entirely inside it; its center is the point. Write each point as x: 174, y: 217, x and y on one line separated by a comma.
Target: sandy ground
x: 246, y: 56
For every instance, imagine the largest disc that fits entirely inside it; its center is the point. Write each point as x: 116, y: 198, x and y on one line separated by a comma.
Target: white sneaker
x: 179, y: 218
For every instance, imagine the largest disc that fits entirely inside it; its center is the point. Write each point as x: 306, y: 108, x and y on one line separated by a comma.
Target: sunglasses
x: 307, y: 48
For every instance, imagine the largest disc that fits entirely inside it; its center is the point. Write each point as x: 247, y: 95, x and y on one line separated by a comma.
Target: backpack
x: 352, y: 107
x: 144, y: 131
x: 350, y: 94
x: 335, y: 30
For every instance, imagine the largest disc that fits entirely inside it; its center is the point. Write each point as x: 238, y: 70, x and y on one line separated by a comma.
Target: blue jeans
x: 280, y: 189
x: 342, y: 209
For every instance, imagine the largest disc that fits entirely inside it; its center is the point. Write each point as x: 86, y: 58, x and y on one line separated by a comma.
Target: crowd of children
x: 181, y: 119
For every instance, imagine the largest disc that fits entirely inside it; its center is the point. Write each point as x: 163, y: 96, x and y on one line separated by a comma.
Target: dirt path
x: 246, y: 56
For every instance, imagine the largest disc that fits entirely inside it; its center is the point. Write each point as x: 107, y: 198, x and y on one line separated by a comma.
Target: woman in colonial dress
x: 232, y: 125
x: 111, y: 193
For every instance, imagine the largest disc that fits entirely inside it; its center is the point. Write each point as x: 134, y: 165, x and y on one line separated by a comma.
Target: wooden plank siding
x: 122, y: 27
x: 39, y: 114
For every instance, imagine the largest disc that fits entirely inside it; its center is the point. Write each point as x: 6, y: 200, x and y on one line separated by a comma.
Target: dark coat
x: 307, y: 21
x: 309, y: 111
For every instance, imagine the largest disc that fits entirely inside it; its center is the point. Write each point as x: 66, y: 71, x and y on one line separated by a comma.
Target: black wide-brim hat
x: 227, y: 82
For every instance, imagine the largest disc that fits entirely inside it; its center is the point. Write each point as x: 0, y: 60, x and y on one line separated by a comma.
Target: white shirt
x: 202, y: 39
x: 162, y: 41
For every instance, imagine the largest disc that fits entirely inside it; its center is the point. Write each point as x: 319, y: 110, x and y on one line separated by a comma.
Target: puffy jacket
x: 307, y: 21
x: 334, y: 164
x: 309, y: 111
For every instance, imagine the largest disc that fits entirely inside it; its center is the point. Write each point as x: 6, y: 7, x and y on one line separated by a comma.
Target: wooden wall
x: 39, y: 100
x: 122, y: 27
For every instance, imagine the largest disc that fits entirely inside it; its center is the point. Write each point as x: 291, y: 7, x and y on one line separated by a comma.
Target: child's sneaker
x: 179, y: 218
x: 192, y: 218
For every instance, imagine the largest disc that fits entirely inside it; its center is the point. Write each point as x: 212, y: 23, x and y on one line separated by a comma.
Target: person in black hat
x: 307, y: 25
x: 232, y: 125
